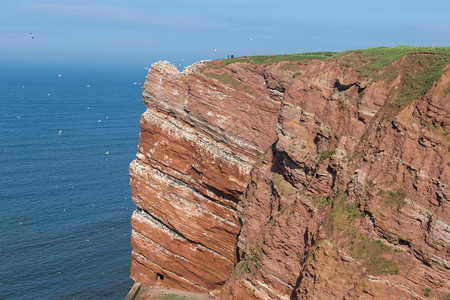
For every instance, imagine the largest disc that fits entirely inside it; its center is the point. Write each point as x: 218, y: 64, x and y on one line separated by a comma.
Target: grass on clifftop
x: 174, y: 297
x: 418, y: 74
x: 227, y: 80
x: 374, y: 58
x: 272, y: 59
x: 378, y: 58
x: 418, y: 83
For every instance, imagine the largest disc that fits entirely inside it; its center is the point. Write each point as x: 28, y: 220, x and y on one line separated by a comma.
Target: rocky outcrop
x: 198, y: 144
x: 308, y: 177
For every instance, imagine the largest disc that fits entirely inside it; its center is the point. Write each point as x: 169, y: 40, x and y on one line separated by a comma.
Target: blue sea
x: 67, y: 136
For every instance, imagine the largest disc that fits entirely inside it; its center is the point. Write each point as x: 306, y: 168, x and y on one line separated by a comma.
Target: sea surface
x: 67, y: 136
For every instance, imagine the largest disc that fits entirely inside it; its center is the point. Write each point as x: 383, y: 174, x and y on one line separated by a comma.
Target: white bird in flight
x: 32, y: 36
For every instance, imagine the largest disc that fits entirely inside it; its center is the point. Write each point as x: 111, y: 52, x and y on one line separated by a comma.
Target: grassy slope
x: 373, y: 63
x: 417, y: 80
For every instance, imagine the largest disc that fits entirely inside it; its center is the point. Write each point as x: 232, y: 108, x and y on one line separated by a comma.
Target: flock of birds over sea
x: 99, y: 120
x: 31, y: 35
x: 11, y: 36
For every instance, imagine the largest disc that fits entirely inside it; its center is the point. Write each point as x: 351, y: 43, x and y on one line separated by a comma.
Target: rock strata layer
x: 305, y: 179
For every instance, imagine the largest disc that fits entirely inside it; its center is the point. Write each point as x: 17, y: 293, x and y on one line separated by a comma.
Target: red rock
x: 292, y: 180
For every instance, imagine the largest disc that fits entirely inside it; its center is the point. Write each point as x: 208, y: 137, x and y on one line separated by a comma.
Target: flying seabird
x: 32, y: 36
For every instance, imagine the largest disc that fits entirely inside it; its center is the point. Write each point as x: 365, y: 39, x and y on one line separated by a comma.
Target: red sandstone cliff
x: 298, y: 178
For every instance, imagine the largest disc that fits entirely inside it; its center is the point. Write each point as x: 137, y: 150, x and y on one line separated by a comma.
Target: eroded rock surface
x: 293, y: 180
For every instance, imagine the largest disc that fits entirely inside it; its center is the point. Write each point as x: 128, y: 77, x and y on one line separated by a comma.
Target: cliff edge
x: 304, y: 176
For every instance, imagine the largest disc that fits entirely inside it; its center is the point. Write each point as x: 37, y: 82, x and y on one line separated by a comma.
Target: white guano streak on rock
x: 267, y: 288
x: 142, y: 171
x: 143, y: 217
x: 148, y: 219
x: 215, y: 149
x: 147, y: 241
x: 222, y: 121
x: 392, y: 283
x: 220, y: 135
x: 186, y: 181
x: 194, y: 68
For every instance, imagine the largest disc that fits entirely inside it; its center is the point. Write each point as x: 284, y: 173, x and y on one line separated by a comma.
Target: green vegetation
x: 226, y: 79
x: 418, y: 78
x: 283, y: 187
x: 243, y: 267
x: 324, y: 155
x: 377, y: 257
x: 447, y: 91
x: 321, y: 200
x: 373, y: 255
x: 418, y: 74
x: 174, y: 297
x: 417, y: 83
x: 377, y: 58
x: 324, y: 200
x: 394, y: 199
x: 437, y: 130
x: 447, y: 297
x: 272, y: 59
x: 343, y: 213
x: 426, y: 292
x: 433, y: 127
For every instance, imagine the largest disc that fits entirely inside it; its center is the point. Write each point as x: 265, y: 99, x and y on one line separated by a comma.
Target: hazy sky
x: 139, y: 32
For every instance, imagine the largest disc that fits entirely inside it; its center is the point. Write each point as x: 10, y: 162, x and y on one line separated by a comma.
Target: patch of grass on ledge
x: 245, y: 266
x: 375, y: 255
x: 227, y: 80
x: 393, y: 199
x: 342, y: 228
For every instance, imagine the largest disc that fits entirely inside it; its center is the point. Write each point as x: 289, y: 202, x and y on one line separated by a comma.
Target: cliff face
x: 296, y: 177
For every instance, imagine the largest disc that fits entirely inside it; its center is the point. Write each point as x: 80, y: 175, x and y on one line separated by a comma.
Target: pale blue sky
x: 139, y: 32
